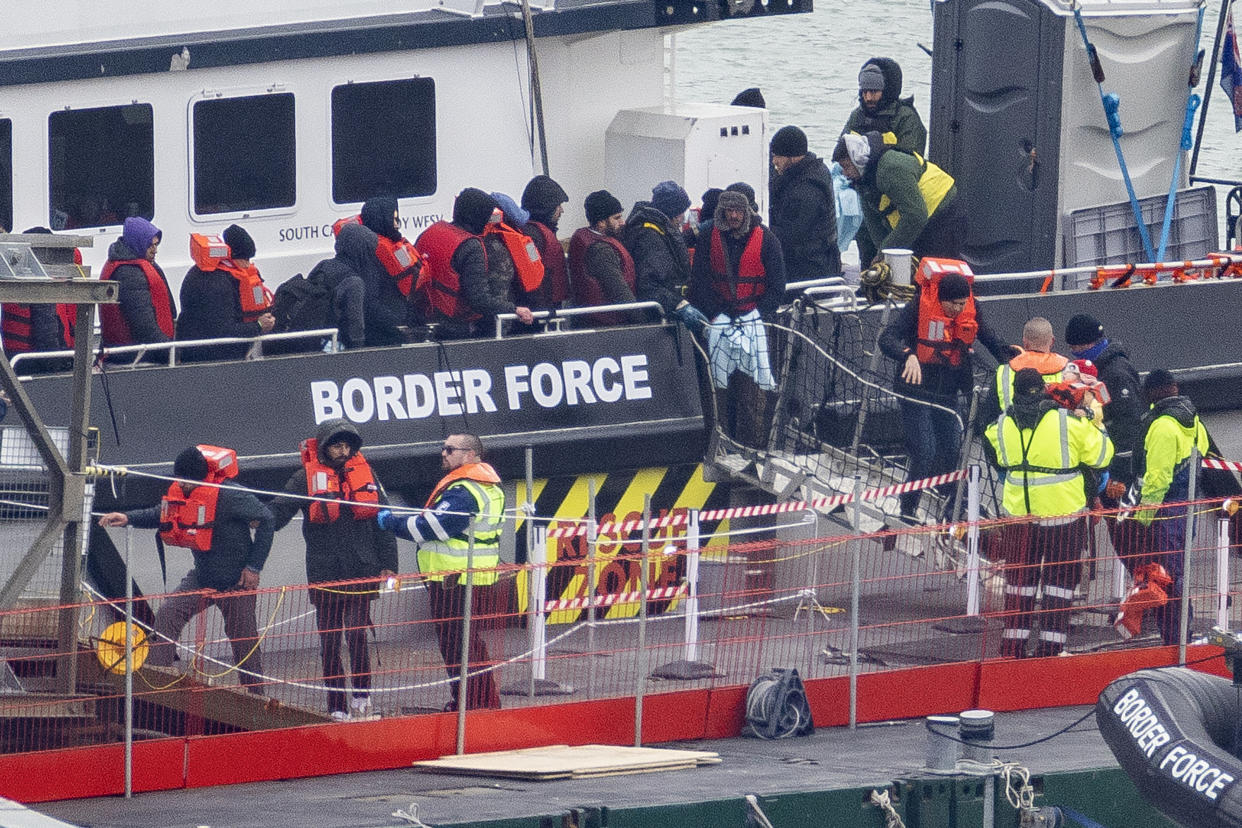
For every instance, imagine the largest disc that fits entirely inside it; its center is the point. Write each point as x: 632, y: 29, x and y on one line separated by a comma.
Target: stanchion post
x: 1191, y: 515
x: 534, y: 608
x: 538, y: 558
x: 973, y: 598
x: 692, y: 586
x: 640, y: 681
x: 589, y: 590
x: 464, y: 671
x: 855, y: 593
x: 1222, y: 571
x: 129, y: 667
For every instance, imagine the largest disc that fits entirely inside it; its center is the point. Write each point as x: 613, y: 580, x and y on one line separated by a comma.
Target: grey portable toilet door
x: 1007, y: 114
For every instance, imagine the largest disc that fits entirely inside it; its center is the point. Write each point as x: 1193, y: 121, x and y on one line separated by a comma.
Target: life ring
x: 1173, y: 732
x: 110, y: 647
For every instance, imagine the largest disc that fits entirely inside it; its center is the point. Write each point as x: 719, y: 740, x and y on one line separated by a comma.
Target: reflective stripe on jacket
x: 442, y: 555
x: 1043, y: 475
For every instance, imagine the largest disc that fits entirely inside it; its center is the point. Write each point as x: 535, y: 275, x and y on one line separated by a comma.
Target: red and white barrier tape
x: 1223, y: 465
x: 678, y: 519
x: 615, y: 598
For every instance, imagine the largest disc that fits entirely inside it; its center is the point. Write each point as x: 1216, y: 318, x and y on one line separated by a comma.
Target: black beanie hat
x: 543, y: 195
x: 953, y: 286
x: 601, y: 205
x: 710, y: 197
x: 241, y: 246
x: 472, y: 209
x: 789, y: 141
x: 190, y: 465
x: 1083, y: 329
x: 1028, y: 382
x: 377, y: 216
x: 1159, y: 384
x: 750, y: 97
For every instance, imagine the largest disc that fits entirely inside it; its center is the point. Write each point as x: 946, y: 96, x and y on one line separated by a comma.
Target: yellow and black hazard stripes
x: 618, y: 498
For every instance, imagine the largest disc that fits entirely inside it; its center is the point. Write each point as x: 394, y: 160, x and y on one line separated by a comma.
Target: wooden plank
x: 562, y: 762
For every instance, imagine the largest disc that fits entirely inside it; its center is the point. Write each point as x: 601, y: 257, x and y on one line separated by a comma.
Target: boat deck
x: 835, y: 759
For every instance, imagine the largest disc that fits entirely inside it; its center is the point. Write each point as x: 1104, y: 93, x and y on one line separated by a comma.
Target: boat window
x: 101, y: 166
x: 383, y: 139
x: 6, y: 175
x: 244, y: 154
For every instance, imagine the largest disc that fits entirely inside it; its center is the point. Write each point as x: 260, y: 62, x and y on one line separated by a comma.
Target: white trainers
x: 360, y: 707
x: 340, y: 716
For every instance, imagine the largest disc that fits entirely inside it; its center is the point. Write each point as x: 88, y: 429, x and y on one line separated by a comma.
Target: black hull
x: 1167, y: 727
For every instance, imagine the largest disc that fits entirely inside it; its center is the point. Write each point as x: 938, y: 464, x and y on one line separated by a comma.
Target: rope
x: 753, y: 802
x: 411, y: 816
x: 877, y: 285
x: 1020, y: 795
x: 881, y: 800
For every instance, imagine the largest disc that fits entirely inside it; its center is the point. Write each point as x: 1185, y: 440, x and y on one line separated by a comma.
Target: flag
x: 1231, y: 71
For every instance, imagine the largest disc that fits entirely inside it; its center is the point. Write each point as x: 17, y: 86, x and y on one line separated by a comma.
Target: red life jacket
x: 400, y: 258
x: 556, y: 276
x: 941, y: 340
x: 439, y: 286
x: 587, y: 290
x: 16, y: 329
x: 743, y: 296
x: 112, y: 322
x: 355, y: 482
x: 527, y: 263
x: 187, y: 520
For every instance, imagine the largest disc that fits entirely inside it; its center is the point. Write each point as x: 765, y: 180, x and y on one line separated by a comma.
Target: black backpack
x: 302, y: 304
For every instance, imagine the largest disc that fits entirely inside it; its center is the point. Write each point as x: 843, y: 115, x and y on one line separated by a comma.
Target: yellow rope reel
x: 110, y: 647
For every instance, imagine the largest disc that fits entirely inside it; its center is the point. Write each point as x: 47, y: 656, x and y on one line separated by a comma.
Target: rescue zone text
x: 448, y: 393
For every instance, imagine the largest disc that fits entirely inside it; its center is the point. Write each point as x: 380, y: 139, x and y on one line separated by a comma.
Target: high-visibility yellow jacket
x: 1043, y: 465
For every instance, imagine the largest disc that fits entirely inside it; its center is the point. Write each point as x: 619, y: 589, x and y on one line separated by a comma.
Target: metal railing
x: 553, y: 319
x: 141, y: 350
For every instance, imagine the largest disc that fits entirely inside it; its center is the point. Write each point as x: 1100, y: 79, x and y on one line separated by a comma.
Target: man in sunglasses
x: 469, y: 493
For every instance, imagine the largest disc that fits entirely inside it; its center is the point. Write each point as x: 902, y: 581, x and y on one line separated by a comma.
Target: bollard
x: 942, y: 752
x: 899, y: 261
x: 977, y: 728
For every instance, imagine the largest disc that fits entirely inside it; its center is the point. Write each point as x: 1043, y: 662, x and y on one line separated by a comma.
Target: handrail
x: 141, y: 350
x: 842, y: 294
x: 553, y: 316
x: 805, y: 284
x: 1216, y: 261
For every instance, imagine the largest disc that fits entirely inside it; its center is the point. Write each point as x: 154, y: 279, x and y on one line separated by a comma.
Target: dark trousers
x: 447, y: 607
x: 1035, y: 553
x: 239, y: 625
x: 933, y: 443
x: 945, y: 232
x: 745, y: 411
x: 1162, y: 542
x: 343, y: 615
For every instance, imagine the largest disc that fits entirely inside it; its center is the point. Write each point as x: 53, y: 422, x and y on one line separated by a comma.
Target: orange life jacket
x: 586, y: 288
x: 401, y: 259
x: 112, y: 322
x: 187, y: 520
x: 743, y: 296
x: 211, y: 253
x: 943, y: 340
x: 556, y: 280
x: 355, y: 482
x: 439, y: 286
x: 526, y: 260
x: 1150, y: 591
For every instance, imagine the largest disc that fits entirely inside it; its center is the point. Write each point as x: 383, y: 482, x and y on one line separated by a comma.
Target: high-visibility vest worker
x: 1049, y: 366
x: 1043, y: 461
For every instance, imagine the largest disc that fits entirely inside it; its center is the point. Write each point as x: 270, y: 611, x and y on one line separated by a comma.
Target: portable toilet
x: 1017, y: 120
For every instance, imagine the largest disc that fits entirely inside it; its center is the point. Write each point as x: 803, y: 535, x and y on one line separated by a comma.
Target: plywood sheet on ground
x: 565, y: 762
